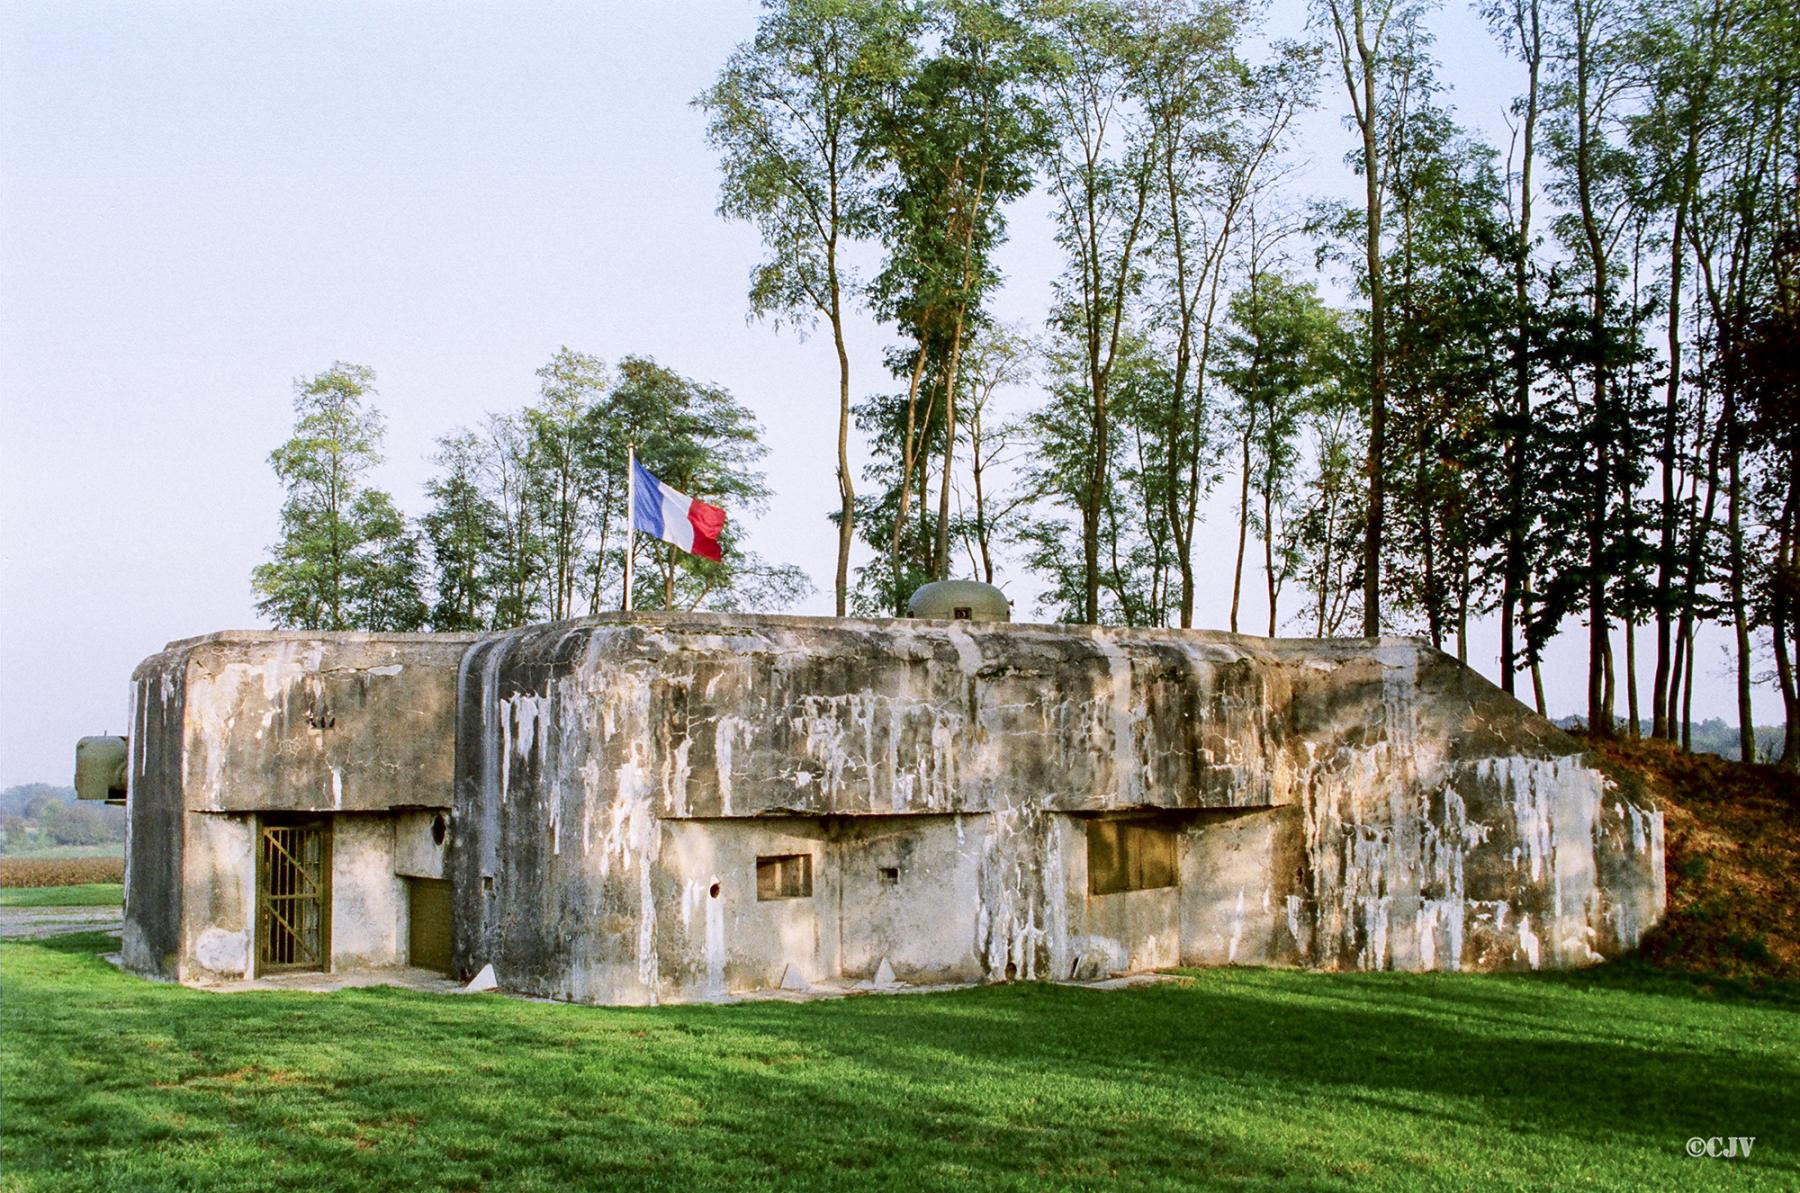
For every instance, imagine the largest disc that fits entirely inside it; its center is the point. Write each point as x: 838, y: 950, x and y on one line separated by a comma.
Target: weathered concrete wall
x: 152, y: 939
x: 608, y: 787
x: 611, y: 771
x: 895, y: 873
x: 219, y: 897
x: 319, y: 723
x: 418, y: 851
x: 368, y: 899
x: 803, y: 933
x: 875, y: 880
x: 232, y: 725
x: 1242, y: 874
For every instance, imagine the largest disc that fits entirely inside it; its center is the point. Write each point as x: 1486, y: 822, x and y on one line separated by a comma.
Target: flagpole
x: 630, y: 516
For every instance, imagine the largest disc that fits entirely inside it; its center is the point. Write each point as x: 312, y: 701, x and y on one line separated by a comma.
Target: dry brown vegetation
x: 60, y: 871
x: 1733, y: 860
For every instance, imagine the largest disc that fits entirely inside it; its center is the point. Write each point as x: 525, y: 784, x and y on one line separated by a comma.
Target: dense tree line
x: 38, y: 815
x: 526, y: 520
x: 1563, y: 389
x: 1551, y: 380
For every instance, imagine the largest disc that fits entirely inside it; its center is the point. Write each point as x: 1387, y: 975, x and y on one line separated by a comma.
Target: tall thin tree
x: 786, y: 116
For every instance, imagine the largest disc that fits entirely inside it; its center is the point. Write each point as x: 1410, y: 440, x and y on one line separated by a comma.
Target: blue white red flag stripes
x: 673, y: 517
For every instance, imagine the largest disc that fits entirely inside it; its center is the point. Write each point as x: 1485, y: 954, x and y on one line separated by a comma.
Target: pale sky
x: 201, y: 202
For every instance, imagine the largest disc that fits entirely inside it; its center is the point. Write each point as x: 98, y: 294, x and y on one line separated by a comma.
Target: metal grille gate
x: 293, y: 896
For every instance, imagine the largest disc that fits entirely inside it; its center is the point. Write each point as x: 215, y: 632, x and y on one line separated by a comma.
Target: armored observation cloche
x: 100, y: 768
x: 959, y: 600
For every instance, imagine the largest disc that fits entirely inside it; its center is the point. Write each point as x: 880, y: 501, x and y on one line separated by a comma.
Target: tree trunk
x: 1607, y: 681
x: 976, y: 468
x: 1634, y: 730
x: 846, y: 486
x: 1661, y: 722
x: 1269, y: 554
x: 1599, y: 643
x: 1781, y: 613
x: 1537, y: 672
x: 907, y: 450
x: 1462, y: 616
x: 1180, y: 529
x: 1687, y: 698
x: 1513, y: 572
x: 1237, y: 573
x: 1377, y: 343
x: 1740, y: 612
x: 940, y: 551
x: 1700, y: 520
x: 1434, y: 608
x: 1091, y: 506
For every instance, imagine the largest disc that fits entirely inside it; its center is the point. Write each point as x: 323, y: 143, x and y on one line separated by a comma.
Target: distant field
x: 69, y: 851
x: 1246, y: 1079
x: 41, y: 872
x: 88, y: 894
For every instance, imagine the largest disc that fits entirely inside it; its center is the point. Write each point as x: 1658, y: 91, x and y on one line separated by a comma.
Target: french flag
x: 673, y: 517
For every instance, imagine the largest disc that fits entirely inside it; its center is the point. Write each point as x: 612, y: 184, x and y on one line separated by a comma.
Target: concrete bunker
x: 638, y: 808
x: 282, y: 793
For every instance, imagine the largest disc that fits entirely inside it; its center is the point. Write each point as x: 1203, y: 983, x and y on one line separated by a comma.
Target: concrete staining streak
x: 1445, y: 847
x: 727, y: 732
x: 291, y: 674
x: 609, y: 706
x: 1528, y: 942
x: 1555, y: 805
x: 824, y: 732
x: 1007, y: 928
x: 1127, y: 777
x: 1410, y: 857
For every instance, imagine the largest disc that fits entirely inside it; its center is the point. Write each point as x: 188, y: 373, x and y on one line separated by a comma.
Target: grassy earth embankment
x: 1732, y: 860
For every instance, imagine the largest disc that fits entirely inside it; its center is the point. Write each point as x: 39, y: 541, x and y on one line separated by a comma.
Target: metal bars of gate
x: 293, y: 893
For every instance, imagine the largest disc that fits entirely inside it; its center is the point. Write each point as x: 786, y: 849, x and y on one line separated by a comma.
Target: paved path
x: 35, y: 923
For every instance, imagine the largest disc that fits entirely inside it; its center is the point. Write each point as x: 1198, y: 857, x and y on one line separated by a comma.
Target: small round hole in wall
x: 439, y: 828
x: 715, y: 890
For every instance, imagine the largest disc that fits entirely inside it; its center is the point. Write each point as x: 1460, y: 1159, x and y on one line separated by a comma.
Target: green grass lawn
x: 87, y: 894
x: 1235, y: 1078
x: 114, y: 849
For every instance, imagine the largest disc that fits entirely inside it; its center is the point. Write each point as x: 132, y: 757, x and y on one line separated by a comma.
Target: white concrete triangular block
x: 884, y: 974
x: 482, y: 981
x: 791, y: 979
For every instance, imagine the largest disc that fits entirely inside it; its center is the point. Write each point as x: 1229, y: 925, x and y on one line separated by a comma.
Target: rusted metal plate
x: 428, y: 923
x: 1124, y: 856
